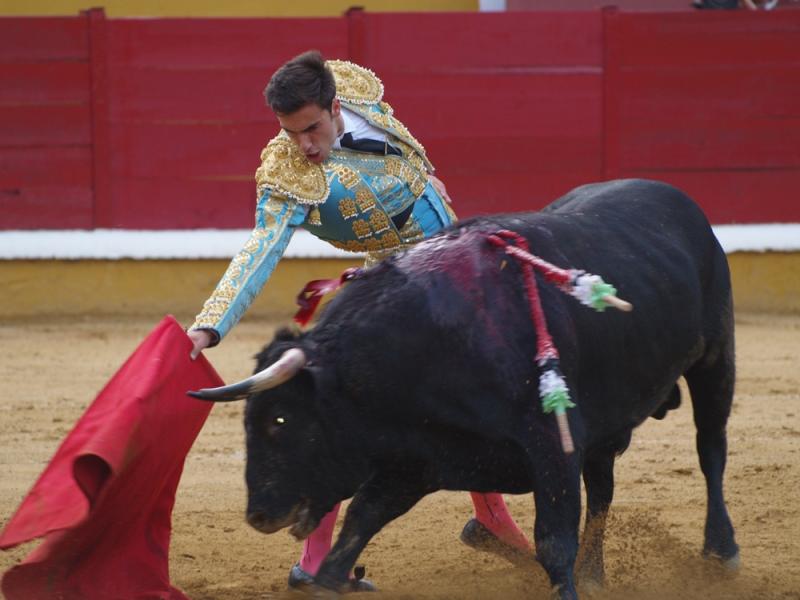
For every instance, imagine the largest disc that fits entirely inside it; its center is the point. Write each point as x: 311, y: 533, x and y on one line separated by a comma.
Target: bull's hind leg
x: 711, y: 383
x: 598, y: 477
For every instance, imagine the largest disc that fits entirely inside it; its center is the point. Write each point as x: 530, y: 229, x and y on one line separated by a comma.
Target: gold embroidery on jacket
x: 348, y: 208
x: 361, y: 228
x: 365, y: 198
x: 285, y: 169
x: 390, y: 240
x: 411, y: 156
x: 347, y: 176
x: 355, y: 84
x: 414, y: 178
x: 314, y: 217
x: 378, y: 221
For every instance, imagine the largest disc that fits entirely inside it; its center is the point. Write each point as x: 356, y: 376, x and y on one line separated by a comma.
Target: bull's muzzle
x: 260, y: 521
x: 277, y: 373
x: 299, y: 518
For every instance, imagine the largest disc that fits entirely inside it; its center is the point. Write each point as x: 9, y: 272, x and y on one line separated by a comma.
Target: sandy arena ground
x: 51, y: 371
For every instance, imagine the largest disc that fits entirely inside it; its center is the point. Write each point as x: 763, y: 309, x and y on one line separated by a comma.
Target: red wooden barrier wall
x: 45, y: 124
x: 710, y: 103
x: 188, y: 119
x: 158, y: 123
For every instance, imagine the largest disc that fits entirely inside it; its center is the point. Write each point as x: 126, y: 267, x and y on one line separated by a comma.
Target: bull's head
x: 293, y: 475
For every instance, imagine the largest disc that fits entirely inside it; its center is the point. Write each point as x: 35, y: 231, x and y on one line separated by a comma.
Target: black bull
x: 421, y: 376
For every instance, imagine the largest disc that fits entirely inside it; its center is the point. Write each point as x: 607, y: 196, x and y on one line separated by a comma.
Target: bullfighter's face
x: 314, y: 129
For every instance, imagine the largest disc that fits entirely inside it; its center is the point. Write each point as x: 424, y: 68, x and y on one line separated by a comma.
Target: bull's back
x: 655, y: 245
x: 632, y: 215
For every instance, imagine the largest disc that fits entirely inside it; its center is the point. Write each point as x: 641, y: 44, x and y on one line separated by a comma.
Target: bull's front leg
x: 558, y: 508
x: 384, y: 497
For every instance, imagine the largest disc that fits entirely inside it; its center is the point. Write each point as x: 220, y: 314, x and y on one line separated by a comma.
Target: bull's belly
x: 486, y: 468
x: 608, y: 420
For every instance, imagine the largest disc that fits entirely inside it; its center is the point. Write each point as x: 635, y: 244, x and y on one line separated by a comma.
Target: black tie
x: 367, y: 145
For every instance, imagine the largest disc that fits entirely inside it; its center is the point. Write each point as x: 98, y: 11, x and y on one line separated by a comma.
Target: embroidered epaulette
x: 286, y: 170
x: 355, y: 84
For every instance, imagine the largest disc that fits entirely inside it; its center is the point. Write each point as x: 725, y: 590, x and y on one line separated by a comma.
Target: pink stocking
x: 491, y: 511
x: 318, y: 544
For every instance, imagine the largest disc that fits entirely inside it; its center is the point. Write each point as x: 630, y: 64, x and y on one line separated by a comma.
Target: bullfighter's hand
x: 200, y: 339
x: 439, y: 187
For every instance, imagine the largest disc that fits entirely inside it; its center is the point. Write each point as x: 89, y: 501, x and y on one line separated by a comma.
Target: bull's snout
x: 269, y: 517
x: 299, y: 518
x: 262, y: 522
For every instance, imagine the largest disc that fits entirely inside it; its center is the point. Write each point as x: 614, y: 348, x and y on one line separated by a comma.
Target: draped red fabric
x: 104, y: 502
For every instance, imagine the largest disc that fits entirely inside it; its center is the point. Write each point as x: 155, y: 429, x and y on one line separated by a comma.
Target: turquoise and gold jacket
x: 348, y: 201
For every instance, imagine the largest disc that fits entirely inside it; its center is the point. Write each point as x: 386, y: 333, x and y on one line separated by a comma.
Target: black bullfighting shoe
x: 476, y: 535
x: 299, y: 578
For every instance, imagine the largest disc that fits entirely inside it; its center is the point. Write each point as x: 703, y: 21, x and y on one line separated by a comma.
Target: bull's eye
x: 275, y: 425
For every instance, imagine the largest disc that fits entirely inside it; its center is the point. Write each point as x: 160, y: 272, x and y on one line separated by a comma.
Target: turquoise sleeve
x: 276, y: 220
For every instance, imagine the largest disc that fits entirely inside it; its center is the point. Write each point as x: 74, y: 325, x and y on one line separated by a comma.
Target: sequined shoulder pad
x: 285, y: 169
x: 355, y: 84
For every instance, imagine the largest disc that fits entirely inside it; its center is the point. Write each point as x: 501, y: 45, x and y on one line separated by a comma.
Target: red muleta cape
x: 104, y: 502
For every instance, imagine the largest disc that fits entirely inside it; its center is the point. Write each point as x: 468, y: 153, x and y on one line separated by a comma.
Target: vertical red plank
x: 611, y: 90
x: 356, y: 35
x: 101, y: 152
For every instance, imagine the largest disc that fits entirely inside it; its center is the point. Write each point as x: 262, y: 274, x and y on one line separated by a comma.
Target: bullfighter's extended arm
x: 277, y: 217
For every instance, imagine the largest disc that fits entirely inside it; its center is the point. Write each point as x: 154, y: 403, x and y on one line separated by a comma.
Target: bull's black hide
x: 422, y: 377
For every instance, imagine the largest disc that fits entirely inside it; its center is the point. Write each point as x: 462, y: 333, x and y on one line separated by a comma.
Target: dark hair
x: 303, y: 80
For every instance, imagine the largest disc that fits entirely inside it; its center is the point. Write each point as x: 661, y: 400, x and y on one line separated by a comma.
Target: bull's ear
x: 282, y: 370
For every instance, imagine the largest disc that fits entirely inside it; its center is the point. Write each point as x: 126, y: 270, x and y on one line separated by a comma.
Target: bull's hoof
x: 563, y: 592
x: 476, y: 535
x: 730, y: 565
x: 298, y: 578
x: 590, y: 574
x: 591, y: 587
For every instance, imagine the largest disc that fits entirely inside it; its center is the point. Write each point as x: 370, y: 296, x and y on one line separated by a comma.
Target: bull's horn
x: 284, y: 369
